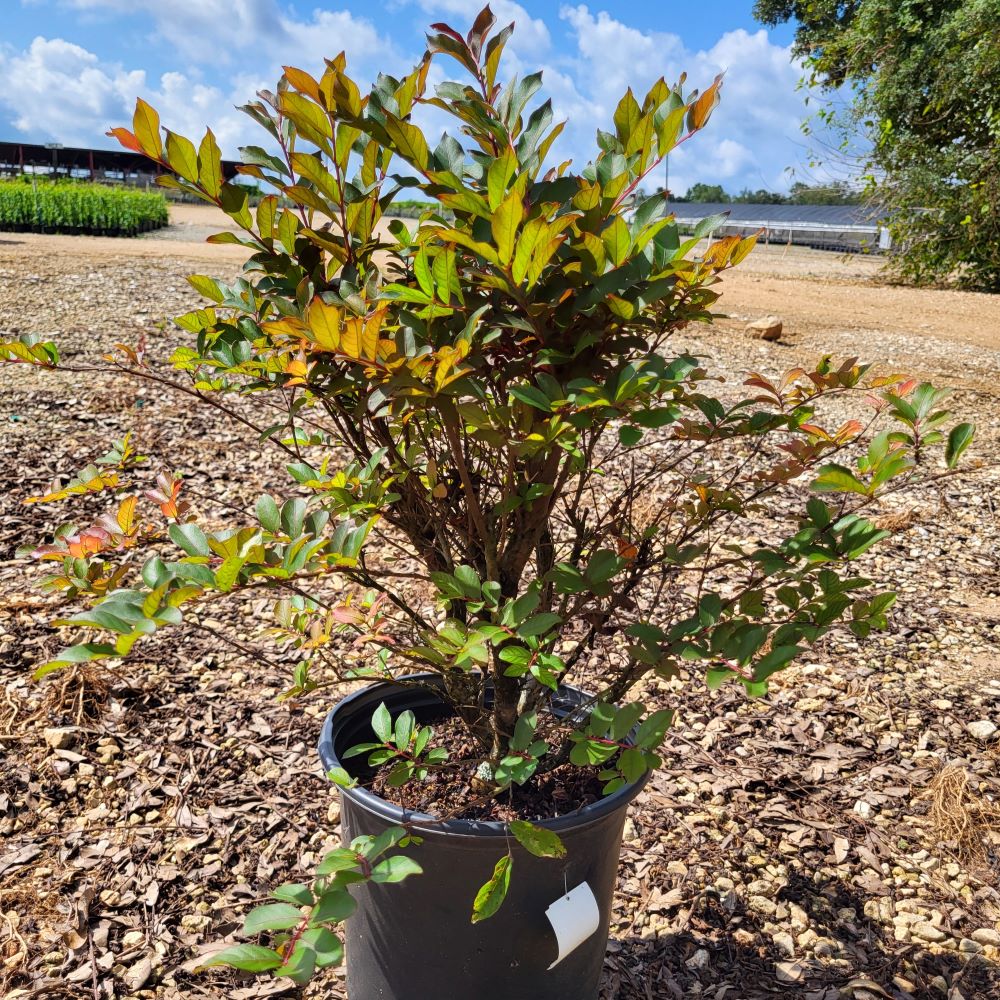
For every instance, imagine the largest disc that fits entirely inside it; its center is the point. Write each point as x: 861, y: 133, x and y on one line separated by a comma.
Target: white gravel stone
x: 785, y: 943
x: 699, y: 960
x: 986, y: 936
x: 59, y: 739
x: 983, y: 729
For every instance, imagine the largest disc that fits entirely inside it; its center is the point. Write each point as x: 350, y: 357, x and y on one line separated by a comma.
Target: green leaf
x: 958, y: 440
x: 228, y: 573
x: 499, y: 175
x: 293, y: 515
x: 271, y: 917
x: 632, y: 764
x: 246, y: 957
x: 838, y: 479
x: 190, y: 538
x: 537, y: 840
x: 338, y: 860
x: 715, y: 677
x: 617, y: 240
x: 532, y: 396
x: 524, y: 728
x: 407, y: 140
x: 300, y: 965
x: 405, y: 724
x: 775, y: 659
x: 182, y: 156
x: 340, y: 777
x: 300, y: 895
x: 382, y: 723
x: 504, y: 225
x: 515, y: 654
x: 395, y: 869
x: 492, y: 894
x: 327, y: 947
x: 83, y: 652
x: 146, y: 126
x: 333, y: 906
x: 206, y: 286
x: 587, y: 752
x: 259, y: 157
x: 210, y: 164
x: 625, y: 718
x: 603, y: 565
x: 627, y: 116
x: 653, y: 728
x: 268, y: 514
x: 709, y: 224
x: 539, y: 624
x: 422, y: 272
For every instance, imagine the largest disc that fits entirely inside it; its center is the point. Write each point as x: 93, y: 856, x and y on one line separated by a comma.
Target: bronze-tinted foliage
x: 484, y: 369
x: 492, y: 376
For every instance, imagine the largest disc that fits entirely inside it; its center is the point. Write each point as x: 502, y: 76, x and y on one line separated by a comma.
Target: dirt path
x: 814, y: 292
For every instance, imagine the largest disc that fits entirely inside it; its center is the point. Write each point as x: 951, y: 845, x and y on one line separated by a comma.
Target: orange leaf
x: 126, y: 138
x: 705, y: 105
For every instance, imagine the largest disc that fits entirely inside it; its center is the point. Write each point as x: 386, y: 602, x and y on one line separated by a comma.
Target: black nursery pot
x: 414, y: 940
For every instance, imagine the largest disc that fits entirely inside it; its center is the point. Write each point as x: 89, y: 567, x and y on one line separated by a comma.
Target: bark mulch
x: 839, y: 839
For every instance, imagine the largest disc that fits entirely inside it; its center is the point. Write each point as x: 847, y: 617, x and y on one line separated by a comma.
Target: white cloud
x: 218, y: 30
x: 611, y: 55
x: 64, y: 92
x: 58, y: 90
x: 750, y: 139
x: 198, y: 29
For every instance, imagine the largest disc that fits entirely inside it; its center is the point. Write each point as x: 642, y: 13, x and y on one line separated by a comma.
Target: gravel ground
x: 839, y: 839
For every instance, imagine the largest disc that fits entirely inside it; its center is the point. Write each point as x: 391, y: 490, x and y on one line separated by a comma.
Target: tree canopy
x: 707, y: 193
x: 800, y: 193
x: 925, y: 75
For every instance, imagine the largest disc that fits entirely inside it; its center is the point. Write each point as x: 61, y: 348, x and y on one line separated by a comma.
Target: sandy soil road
x: 815, y: 292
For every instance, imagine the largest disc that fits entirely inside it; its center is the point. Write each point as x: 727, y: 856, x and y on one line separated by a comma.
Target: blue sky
x: 69, y: 69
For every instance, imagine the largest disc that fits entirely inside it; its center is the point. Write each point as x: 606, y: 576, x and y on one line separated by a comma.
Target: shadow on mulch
x: 727, y: 955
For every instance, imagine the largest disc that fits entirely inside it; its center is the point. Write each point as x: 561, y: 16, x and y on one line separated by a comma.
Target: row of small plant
x: 79, y: 208
x: 409, y: 209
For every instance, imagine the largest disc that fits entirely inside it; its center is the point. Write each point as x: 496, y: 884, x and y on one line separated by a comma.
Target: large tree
x: 925, y: 80
x: 709, y: 193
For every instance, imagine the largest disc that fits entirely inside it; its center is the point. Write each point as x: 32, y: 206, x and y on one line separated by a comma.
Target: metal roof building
x: 828, y: 227
x: 118, y: 165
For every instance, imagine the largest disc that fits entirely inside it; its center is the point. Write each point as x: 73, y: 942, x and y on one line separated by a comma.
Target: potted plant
x: 505, y: 483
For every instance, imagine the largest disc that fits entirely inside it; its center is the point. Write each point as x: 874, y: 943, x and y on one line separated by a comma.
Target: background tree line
x: 923, y: 85
x: 835, y: 193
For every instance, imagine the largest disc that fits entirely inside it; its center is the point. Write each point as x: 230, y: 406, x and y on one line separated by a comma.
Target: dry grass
x: 962, y: 818
x: 900, y: 520
x: 80, y: 693
x: 13, y: 947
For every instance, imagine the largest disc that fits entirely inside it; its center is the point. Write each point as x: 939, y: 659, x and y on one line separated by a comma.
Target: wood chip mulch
x: 839, y: 839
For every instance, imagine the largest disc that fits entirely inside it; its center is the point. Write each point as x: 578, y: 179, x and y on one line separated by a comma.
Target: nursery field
x: 77, y: 208
x: 838, y: 839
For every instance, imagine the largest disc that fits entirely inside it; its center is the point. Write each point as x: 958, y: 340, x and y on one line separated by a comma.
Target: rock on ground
x: 765, y: 328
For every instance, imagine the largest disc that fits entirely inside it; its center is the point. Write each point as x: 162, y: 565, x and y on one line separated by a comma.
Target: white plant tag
x: 574, y: 917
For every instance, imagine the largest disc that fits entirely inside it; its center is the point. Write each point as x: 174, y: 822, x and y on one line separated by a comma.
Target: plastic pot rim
x: 456, y: 829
